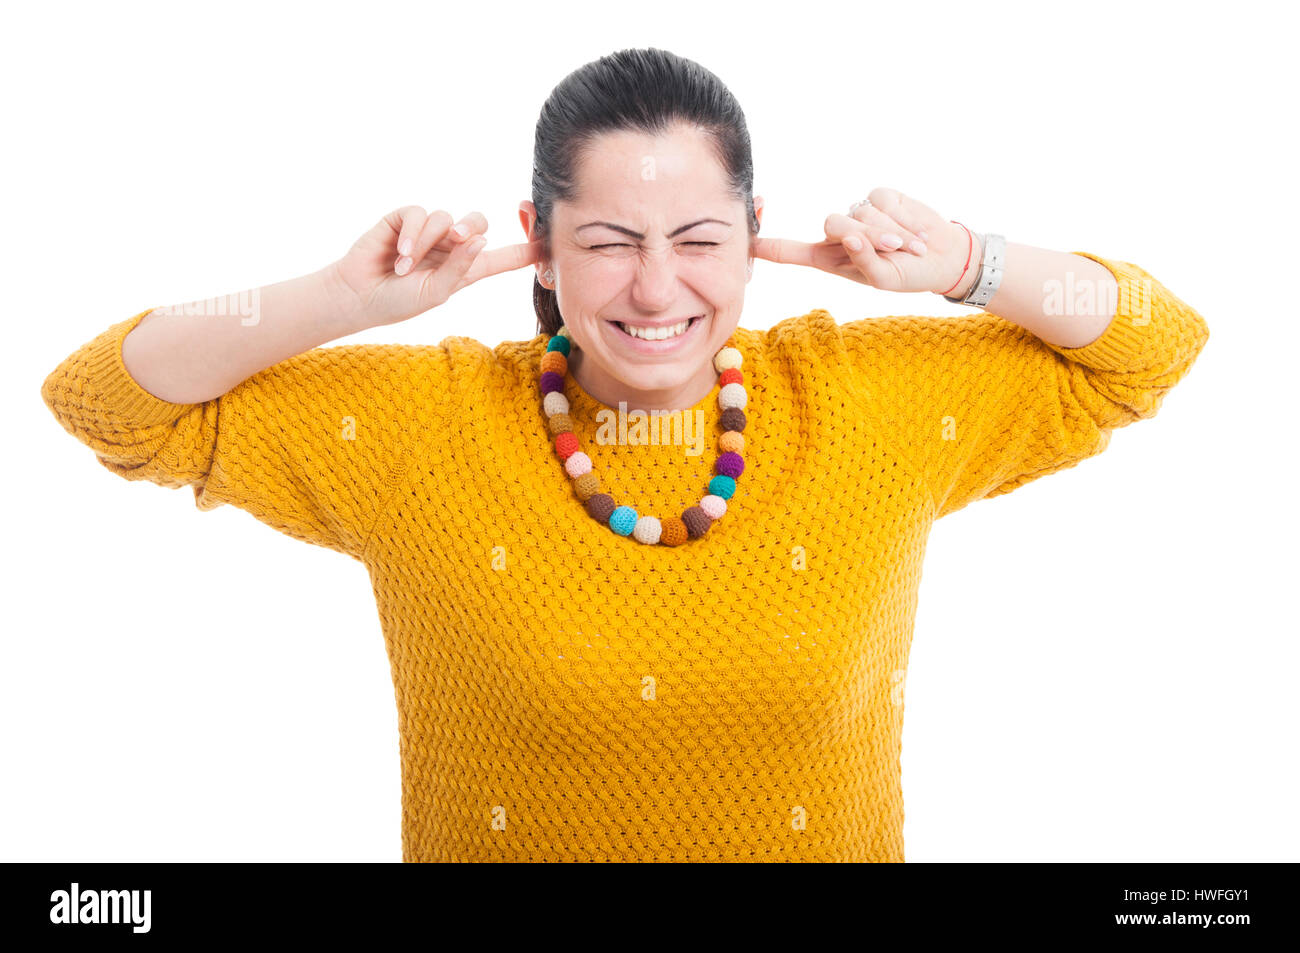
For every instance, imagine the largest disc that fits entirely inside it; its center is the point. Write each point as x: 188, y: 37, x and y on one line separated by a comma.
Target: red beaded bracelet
x: 969, y: 248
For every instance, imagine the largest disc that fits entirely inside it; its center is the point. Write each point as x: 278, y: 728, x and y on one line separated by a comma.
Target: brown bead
x: 558, y: 423
x: 600, y: 506
x: 587, y: 485
x: 733, y: 418
x: 673, y: 532
x: 697, y: 521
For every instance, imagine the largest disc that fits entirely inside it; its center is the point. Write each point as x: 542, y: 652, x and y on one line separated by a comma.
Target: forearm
x: 1063, y: 298
x: 197, y: 351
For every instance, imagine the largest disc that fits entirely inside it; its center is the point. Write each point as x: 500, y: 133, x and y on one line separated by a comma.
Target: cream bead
x: 727, y: 358
x: 732, y: 395
x: 555, y: 403
x: 647, y: 529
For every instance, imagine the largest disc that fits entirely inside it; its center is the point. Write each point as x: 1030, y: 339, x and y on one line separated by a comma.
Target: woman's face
x: 653, y: 240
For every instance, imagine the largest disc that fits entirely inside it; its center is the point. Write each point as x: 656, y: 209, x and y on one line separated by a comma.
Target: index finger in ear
x: 784, y: 251
x: 508, y: 258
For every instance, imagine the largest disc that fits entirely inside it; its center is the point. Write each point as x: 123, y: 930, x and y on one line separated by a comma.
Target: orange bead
x: 732, y: 441
x: 674, y: 532
x: 554, y: 361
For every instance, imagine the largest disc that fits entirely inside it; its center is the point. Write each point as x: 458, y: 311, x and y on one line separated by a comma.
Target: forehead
x: 637, y: 174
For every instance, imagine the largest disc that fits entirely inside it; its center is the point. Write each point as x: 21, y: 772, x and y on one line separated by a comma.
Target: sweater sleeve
x: 982, y: 406
x: 311, y: 446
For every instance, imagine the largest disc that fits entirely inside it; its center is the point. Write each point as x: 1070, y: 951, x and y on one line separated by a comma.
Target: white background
x: 1104, y: 661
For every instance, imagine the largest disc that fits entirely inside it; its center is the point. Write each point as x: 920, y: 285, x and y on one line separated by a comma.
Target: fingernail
x: 923, y: 236
x: 918, y: 247
x: 405, y: 247
x: 891, y: 240
x: 460, y: 230
x: 853, y: 243
x: 403, y: 266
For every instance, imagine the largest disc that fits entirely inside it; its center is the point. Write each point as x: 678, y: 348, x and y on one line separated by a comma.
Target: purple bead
x: 552, y: 381
x: 730, y: 464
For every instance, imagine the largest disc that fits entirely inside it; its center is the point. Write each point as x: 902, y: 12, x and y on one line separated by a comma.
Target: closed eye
x: 626, y: 245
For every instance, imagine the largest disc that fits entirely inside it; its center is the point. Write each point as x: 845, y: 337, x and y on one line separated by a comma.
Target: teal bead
x: 622, y: 520
x: 559, y: 343
x: 723, y: 486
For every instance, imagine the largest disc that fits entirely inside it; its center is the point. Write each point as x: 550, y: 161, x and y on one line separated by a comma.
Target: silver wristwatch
x: 993, y: 261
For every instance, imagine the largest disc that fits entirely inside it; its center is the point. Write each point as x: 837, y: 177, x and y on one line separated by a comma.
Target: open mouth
x: 658, y: 334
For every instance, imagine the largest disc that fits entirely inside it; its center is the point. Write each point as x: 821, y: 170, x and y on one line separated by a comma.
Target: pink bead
x: 713, y: 506
x: 578, y: 464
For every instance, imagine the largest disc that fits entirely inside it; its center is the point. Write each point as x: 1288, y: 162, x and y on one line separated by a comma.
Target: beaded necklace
x: 623, y: 520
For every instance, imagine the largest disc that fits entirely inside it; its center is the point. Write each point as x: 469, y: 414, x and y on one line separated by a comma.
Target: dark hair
x: 645, y: 90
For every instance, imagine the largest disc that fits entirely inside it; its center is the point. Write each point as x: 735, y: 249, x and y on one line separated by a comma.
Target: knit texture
x: 565, y: 693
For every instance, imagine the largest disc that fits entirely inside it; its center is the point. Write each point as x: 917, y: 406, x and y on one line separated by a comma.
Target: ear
x: 527, y: 216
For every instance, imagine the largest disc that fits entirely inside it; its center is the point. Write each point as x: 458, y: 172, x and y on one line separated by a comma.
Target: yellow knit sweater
x: 565, y: 693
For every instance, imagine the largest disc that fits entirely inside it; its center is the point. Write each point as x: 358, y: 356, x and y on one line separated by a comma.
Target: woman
x: 610, y: 641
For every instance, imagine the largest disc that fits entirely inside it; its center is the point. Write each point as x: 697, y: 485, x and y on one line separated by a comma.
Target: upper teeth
x: 656, y: 334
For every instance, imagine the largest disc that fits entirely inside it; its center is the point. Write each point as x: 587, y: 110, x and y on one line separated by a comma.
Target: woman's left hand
x: 932, y: 265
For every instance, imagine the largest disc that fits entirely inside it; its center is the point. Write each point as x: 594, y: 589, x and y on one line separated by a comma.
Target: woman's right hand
x: 412, y: 261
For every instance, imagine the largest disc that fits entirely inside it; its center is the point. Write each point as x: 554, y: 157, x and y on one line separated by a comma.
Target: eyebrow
x: 629, y: 232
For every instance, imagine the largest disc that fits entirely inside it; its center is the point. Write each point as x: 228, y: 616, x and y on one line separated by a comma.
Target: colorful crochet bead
x: 601, y: 506
x: 725, y: 359
x: 723, y: 486
x: 586, y: 486
x: 555, y: 361
x: 577, y: 464
x: 730, y: 464
x: 732, y: 395
x: 731, y: 442
x: 622, y: 520
x: 733, y: 418
x: 559, y: 343
x: 566, y: 444
x: 731, y: 375
x: 713, y: 506
x: 674, y: 532
x: 697, y: 521
x: 558, y: 423
x: 648, y: 529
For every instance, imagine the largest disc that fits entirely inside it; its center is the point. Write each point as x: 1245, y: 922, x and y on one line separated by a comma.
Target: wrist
x: 342, y: 305
x: 966, y: 281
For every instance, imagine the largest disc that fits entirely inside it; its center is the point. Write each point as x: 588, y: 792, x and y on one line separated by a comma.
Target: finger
x: 439, y: 284
x: 873, y: 216
x: 433, y: 231
x: 906, y: 210
x: 406, y: 222
x: 508, y: 258
x: 878, y: 271
x: 475, y: 224
x: 784, y: 251
x: 882, y: 237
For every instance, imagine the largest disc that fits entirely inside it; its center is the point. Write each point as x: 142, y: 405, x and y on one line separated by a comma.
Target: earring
x: 549, y: 276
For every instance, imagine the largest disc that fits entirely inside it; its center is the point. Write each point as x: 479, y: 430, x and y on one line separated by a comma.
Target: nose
x: 654, y: 287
